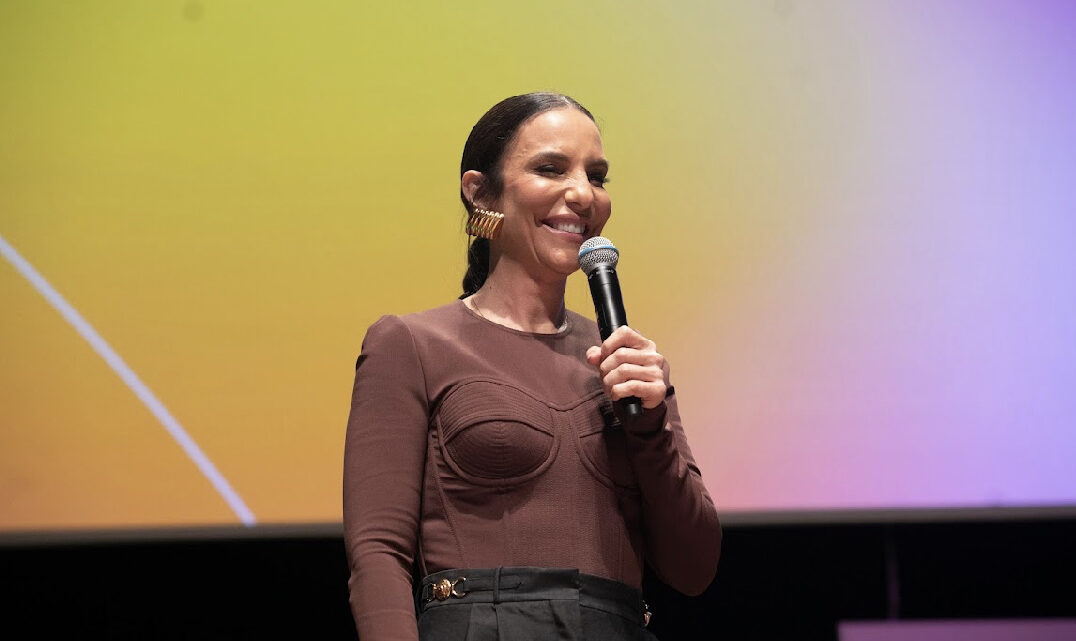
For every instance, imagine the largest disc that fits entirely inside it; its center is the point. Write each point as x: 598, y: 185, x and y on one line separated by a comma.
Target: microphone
x: 598, y: 258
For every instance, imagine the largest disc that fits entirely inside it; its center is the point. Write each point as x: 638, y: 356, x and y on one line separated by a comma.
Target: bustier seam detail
x: 442, y: 495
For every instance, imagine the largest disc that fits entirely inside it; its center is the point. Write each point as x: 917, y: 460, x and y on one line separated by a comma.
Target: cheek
x: 604, y: 208
x: 525, y: 196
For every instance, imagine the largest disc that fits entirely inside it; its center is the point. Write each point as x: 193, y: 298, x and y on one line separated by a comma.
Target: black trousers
x: 521, y: 604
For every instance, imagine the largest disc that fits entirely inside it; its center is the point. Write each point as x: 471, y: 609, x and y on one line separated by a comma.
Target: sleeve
x: 384, y: 457
x: 681, y: 527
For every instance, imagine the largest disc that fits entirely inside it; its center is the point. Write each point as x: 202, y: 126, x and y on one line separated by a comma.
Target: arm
x: 683, y: 534
x: 384, y: 456
x: 681, y: 527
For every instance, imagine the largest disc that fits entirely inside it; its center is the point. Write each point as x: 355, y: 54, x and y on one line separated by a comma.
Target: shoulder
x: 443, y: 322
x: 448, y: 313
x: 418, y: 320
x: 414, y: 327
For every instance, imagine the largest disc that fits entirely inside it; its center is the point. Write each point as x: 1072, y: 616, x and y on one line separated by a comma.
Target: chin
x: 565, y: 264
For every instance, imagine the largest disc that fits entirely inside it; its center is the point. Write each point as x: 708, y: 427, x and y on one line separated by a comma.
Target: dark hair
x: 484, y: 151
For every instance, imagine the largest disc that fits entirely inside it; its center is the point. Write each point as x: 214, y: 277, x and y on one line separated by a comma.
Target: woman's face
x: 554, y: 194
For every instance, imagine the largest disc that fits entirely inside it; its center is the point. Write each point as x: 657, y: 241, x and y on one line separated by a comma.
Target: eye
x: 599, y: 180
x: 548, y: 169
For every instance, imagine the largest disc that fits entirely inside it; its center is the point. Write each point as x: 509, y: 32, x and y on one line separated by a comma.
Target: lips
x: 574, y: 228
x: 571, y: 228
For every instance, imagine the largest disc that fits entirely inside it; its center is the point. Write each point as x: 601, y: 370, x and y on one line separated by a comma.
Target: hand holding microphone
x: 630, y: 365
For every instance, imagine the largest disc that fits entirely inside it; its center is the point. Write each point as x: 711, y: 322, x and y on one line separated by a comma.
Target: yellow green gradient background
x: 231, y: 192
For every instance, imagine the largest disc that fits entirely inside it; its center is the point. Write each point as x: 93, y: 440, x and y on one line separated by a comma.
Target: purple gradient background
x: 916, y: 345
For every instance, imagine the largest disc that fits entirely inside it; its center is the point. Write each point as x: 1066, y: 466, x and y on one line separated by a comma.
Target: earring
x: 483, y: 223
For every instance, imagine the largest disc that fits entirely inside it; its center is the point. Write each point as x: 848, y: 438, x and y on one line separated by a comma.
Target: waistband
x: 512, y: 584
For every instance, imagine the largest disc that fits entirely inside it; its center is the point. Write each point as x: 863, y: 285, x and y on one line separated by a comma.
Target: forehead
x: 567, y: 131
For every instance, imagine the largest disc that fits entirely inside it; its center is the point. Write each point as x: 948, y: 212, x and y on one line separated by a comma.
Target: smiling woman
x: 489, y: 478
x: 482, y: 166
x: 550, y: 186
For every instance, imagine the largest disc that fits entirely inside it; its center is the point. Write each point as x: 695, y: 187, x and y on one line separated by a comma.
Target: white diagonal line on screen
x: 132, y: 381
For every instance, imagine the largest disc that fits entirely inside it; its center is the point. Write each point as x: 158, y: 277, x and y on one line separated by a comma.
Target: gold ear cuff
x: 483, y: 223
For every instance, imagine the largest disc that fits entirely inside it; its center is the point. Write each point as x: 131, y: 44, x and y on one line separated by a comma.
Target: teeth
x: 573, y: 228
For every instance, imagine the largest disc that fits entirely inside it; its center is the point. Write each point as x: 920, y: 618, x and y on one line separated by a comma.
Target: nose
x: 580, y: 194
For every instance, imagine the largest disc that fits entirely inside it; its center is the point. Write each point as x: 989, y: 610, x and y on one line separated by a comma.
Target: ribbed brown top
x: 474, y: 445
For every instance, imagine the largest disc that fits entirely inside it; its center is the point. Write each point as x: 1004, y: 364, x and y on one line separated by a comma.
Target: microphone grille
x: 597, y: 251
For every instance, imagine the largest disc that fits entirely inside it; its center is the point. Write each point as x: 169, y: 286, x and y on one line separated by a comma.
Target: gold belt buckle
x: 444, y: 588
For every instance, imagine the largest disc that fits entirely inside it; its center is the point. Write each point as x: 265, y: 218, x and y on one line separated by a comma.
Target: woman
x: 484, y: 451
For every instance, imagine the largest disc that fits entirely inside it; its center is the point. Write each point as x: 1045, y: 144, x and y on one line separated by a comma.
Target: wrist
x: 651, y: 421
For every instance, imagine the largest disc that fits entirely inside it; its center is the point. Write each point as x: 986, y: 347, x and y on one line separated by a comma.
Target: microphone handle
x: 609, y: 308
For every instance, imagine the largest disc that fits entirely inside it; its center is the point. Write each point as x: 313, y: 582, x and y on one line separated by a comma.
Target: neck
x: 521, y: 302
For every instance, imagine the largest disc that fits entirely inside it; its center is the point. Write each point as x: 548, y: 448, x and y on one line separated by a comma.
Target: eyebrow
x: 600, y: 163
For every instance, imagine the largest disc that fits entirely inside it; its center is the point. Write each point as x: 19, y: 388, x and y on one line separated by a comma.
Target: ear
x: 470, y: 183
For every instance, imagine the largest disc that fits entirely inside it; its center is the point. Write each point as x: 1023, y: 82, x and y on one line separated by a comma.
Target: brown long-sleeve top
x: 472, y: 445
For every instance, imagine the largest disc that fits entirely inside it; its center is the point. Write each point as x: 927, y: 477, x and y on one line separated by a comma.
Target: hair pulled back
x: 484, y: 151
